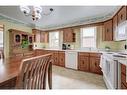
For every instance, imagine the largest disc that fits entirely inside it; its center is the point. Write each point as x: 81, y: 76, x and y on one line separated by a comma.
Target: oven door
x: 110, y: 72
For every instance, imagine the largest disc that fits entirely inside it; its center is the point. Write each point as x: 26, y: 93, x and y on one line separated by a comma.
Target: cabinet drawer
x: 95, y: 54
x: 83, y: 54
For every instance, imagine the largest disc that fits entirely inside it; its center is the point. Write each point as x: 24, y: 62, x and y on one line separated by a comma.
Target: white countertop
x: 75, y: 50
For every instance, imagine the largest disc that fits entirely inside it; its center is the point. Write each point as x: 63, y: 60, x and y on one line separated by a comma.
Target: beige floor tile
x: 71, y: 79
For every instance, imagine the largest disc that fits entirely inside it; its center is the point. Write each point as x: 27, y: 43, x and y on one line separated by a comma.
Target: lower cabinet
x: 55, y: 58
x: 123, y: 77
x: 94, y: 65
x: 61, y: 58
x: 83, y: 61
x: 89, y: 62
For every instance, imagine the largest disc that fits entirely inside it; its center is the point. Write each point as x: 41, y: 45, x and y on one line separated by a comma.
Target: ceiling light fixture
x: 34, y: 11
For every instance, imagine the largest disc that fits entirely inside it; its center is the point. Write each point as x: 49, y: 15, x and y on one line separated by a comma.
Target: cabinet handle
x: 95, y: 64
x: 121, y: 16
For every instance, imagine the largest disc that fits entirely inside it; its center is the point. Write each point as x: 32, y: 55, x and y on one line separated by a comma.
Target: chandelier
x: 34, y: 11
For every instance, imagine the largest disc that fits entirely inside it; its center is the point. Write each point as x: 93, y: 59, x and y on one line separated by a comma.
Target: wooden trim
x: 73, y: 27
x: 37, y: 30
x: 19, y: 31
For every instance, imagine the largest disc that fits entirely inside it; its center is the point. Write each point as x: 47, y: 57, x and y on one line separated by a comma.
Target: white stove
x: 109, y: 65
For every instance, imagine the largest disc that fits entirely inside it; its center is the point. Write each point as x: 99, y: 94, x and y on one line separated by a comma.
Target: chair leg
x: 50, y: 76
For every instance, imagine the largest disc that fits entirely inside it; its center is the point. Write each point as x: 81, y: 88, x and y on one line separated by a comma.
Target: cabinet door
x: 83, y: 62
x: 17, y: 38
x: 108, y: 31
x: 68, y: 35
x: 36, y: 35
x: 44, y: 37
x: 55, y: 58
x: 122, y: 15
x: 115, y: 23
x: 94, y: 65
x: 123, y: 77
x: 61, y: 58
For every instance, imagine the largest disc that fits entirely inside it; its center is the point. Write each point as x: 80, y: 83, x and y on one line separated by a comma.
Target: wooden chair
x: 33, y: 73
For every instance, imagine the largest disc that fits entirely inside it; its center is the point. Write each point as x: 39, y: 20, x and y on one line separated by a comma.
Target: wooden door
x: 122, y: 15
x: 108, y: 31
x: 123, y: 77
x: 62, y: 58
x: 83, y: 62
x: 94, y: 65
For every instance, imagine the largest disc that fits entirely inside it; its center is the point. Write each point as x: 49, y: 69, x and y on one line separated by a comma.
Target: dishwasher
x: 71, y: 59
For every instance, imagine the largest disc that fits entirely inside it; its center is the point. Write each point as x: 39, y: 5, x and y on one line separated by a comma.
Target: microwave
x: 121, y: 31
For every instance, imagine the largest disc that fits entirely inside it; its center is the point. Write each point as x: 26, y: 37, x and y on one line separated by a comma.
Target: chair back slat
x: 32, y: 74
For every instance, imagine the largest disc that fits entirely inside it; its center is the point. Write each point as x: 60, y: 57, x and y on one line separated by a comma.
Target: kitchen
x: 95, y: 46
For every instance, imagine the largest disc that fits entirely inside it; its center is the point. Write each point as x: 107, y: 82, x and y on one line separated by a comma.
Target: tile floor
x: 71, y: 79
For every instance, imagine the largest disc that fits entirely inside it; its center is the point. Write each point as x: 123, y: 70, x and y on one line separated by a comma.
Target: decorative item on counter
x: 68, y: 46
x: 107, y: 48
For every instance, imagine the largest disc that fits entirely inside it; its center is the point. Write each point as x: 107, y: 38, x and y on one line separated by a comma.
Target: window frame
x: 82, y: 37
x: 54, y: 39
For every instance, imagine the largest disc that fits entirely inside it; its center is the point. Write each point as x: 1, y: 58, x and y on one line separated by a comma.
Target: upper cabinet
x: 44, y: 37
x: 120, y: 24
x: 18, y: 37
x: 36, y: 35
x: 68, y: 35
x: 122, y: 15
x: 40, y: 36
x: 108, y: 31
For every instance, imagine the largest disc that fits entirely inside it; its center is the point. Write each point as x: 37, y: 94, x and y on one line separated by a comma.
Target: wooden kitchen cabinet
x: 122, y: 15
x: 108, y: 31
x: 68, y: 35
x: 123, y: 77
x: 39, y: 52
x: 61, y: 58
x: 55, y: 58
x: 95, y: 63
x: 36, y: 34
x: 83, y: 61
x: 44, y: 37
x: 40, y: 36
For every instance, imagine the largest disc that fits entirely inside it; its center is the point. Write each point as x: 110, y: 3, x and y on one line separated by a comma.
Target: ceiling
x: 62, y: 16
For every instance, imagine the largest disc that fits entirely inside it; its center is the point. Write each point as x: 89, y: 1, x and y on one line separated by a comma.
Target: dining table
x: 9, y: 69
